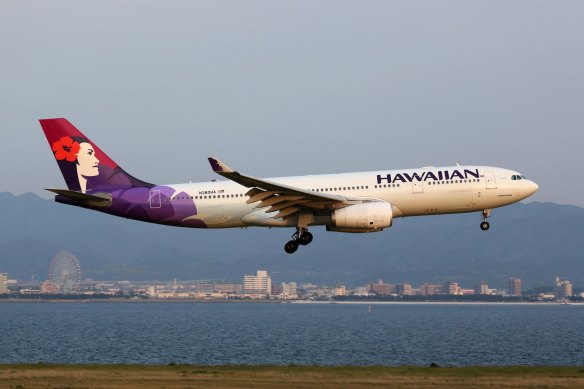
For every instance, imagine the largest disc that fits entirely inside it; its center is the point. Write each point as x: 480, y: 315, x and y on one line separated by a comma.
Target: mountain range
x: 535, y: 242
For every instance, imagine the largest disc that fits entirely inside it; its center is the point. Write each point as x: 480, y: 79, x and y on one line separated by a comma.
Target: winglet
x: 219, y: 167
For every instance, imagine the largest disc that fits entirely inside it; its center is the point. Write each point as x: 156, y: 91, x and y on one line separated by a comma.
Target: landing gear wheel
x: 485, y: 224
x: 300, y: 237
x: 305, y: 238
x: 291, y: 246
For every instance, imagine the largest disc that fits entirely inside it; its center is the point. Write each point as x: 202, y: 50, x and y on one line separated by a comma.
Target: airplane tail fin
x: 83, y: 165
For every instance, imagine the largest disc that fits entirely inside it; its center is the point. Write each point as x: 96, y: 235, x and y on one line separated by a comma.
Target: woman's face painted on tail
x: 88, y: 164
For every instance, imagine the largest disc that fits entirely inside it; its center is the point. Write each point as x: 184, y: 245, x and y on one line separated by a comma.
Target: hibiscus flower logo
x: 66, y: 148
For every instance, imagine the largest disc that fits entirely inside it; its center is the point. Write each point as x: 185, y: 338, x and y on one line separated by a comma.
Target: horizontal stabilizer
x: 97, y: 200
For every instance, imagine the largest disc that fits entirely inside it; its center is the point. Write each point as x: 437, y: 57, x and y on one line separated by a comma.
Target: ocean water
x: 283, y: 334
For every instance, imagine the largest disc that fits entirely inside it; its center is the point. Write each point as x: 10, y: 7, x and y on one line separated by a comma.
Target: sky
x: 276, y: 88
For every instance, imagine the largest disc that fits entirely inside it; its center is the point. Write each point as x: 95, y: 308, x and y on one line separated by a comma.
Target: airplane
x: 344, y: 202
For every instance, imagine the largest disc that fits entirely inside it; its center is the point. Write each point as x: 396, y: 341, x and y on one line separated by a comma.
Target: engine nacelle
x: 365, y: 217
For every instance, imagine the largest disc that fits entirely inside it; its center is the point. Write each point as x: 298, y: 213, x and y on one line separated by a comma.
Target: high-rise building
x: 289, y: 290
x: 3, y: 283
x: 514, y: 286
x: 483, y: 288
x: 260, y: 284
x: 563, y: 288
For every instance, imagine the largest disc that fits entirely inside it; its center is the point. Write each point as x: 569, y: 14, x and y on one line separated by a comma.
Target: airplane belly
x: 215, y: 215
x: 433, y: 203
x: 440, y: 202
x: 460, y: 199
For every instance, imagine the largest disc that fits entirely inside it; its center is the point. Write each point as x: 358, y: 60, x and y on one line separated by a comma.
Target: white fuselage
x: 411, y: 192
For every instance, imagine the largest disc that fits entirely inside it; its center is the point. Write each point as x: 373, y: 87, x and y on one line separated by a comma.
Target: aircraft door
x: 490, y: 180
x: 154, y: 199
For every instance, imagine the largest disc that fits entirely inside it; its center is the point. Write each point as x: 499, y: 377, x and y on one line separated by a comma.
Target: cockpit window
x: 518, y: 177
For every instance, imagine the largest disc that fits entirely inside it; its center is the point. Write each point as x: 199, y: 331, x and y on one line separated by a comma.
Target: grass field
x: 189, y: 376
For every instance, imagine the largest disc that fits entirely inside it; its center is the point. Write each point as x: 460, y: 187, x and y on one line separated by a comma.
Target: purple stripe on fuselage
x: 159, y: 204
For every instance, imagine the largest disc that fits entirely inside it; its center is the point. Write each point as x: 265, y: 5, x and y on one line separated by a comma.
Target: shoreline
x: 302, y: 302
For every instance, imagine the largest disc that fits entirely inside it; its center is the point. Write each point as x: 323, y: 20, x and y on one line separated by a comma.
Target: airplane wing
x: 287, y: 200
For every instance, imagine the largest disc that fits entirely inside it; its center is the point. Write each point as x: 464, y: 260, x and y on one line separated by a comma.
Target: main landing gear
x: 300, y: 237
x: 485, y: 224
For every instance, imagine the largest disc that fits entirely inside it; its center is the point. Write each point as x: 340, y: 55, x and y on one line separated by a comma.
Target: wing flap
x: 286, y: 212
x: 260, y: 196
x: 278, y: 199
x: 286, y: 204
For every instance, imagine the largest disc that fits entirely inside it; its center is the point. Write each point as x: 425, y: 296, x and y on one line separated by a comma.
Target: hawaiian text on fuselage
x: 429, y: 175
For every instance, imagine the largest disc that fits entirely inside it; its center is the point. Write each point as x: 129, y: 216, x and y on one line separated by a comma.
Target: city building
x: 405, y: 289
x: 563, y: 288
x: 431, y: 289
x: 453, y: 288
x: 3, y: 283
x: 483, y: 288
x: 258, y: 286
x: 362, y: 291
x: 228, y: 288
x: 49, y: 288
x: 382, y: 289
x: 340, y: 290
x: 288, y: 290
x: 514, y: 287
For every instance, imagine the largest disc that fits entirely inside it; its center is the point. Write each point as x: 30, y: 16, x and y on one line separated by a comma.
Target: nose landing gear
x: 485, y: 224
x: 300, y: 237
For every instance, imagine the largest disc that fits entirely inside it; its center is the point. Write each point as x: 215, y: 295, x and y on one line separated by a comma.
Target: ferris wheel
x: 65, y: 272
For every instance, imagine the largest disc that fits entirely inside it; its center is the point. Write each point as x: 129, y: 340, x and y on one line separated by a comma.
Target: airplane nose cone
x: 532, y: 188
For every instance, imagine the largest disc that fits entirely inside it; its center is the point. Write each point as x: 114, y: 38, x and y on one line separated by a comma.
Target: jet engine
x: 365, y: 217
